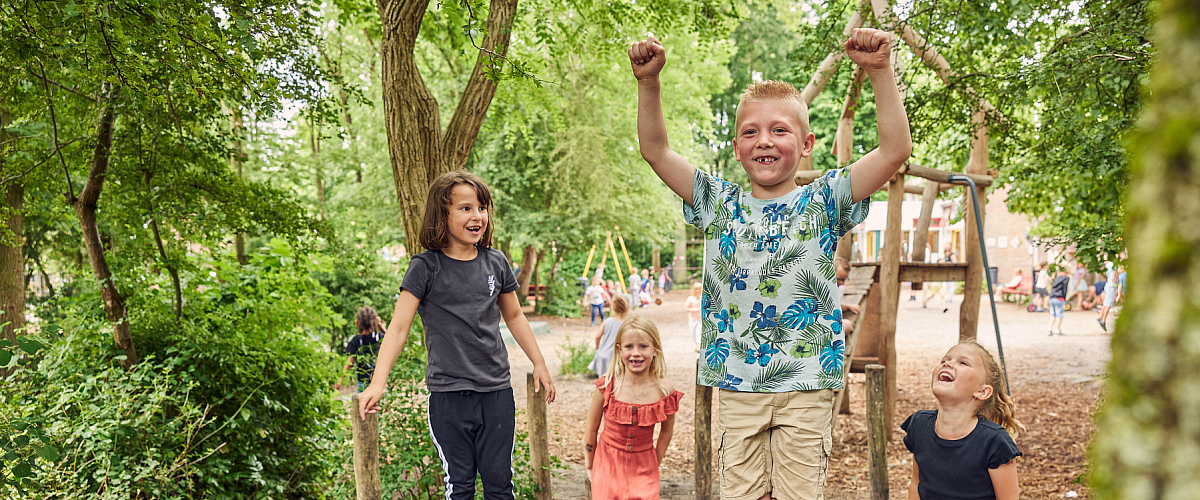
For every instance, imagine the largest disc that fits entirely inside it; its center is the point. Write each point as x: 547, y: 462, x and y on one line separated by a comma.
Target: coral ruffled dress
x: 625, y: 466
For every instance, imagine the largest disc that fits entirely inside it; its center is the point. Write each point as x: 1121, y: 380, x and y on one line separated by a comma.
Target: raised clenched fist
x: 647, y: 58
x: 870, y: 48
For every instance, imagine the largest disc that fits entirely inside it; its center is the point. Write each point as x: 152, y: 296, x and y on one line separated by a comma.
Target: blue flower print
x: 723, y: 322
x: 717, y: 352
x: 762, y: 355
x: 764, y: 315
x: 828, y: 241
x: 730, y: 383
x: 706, y: 304
x: 835, y: 319
x: 728, y: 242
x: 775, y: 212
x: 801, y: 314
x: 737, y: 279
x: 832, y: 356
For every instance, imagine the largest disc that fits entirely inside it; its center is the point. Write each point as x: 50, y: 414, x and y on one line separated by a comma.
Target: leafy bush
x: 562, y: 299
x: 230, y: 401
x: 575, y: 357
x: 354, y: 281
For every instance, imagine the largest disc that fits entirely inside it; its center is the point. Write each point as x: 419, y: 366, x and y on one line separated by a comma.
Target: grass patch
x: 575, y: 357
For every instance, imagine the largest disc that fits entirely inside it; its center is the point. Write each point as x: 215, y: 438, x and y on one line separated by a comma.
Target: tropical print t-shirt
x: 772, y: 320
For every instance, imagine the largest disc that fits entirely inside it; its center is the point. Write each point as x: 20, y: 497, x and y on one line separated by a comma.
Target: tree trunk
x: 162, y: 251
x: 537, y: 297
x: 85, y: 209
x: 318, y: 172
x: 239, y: 240
x: 418, y: 149
x: 12, y: 261
x: 528, y: 262
x: 1146, y: 436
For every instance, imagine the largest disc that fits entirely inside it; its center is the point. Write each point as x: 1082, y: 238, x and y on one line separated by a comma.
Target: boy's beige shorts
x: 778, y: 442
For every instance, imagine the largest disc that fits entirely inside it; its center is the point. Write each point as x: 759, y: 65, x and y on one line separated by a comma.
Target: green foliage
x: 575, y: 357
x: 230, y: 401
x: 562, y: 299
x: 24, y: 441
x: 354, y: 281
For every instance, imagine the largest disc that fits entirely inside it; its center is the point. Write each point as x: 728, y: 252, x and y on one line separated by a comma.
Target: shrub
x: 575, y: 357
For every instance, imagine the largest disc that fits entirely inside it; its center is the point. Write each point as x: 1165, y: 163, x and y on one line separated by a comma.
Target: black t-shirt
x: 365, y: 349
x: 957, y: 469
x: 1058, y: 290
x: 459, y: 308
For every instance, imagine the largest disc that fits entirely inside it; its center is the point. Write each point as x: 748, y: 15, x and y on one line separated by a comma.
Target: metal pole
x: 987, y: 272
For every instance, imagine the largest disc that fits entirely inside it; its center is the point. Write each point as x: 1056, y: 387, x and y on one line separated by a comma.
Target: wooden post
x: 703, y: 432
x: 889, y: 297
x: 843, y: 139
x: 968, y: 316
x: 921, y: 237
x: 877, y: 431
x: 366, y: 453
x: 539, y: 440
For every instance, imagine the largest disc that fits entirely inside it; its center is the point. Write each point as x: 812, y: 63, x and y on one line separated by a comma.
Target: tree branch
x: 54, y: 127
x: 7, y: 180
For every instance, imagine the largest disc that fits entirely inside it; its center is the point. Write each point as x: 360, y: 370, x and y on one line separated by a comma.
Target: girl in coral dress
x: 631, y: 399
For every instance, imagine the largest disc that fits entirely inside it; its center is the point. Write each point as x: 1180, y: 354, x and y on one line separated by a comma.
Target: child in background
x: 364, y: 347
x: 635, y: 288
x: 692, y: 306
x: 1110, y: 294
x: 462, y: 287
x: 1041, y: 287
x: 1058, y: 300
x: 606, y: 337
x: 631, y: 398
x: 965, y: 448
x: 768, y: 253
x: 596, y: 297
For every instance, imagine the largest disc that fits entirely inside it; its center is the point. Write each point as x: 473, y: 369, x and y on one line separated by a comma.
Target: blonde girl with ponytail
x: 965, y: 449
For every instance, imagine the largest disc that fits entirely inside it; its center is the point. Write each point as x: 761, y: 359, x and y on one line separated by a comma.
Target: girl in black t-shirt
x: 965, y: 448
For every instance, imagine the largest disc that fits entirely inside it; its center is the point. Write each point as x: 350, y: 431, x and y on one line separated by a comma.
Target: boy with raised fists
x: 772, y: 337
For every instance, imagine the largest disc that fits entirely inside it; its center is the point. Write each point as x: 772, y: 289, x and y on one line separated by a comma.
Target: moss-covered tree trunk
x: 1147, y: 442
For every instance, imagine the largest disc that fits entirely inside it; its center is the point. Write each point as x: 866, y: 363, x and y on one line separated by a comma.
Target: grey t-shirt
x: 459, y: 308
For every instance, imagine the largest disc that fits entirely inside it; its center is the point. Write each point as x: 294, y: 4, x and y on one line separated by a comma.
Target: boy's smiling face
x: 769, y: 143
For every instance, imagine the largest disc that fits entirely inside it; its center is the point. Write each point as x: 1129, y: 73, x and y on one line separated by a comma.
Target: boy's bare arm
x: 647, y: 59
x: 871, y: 49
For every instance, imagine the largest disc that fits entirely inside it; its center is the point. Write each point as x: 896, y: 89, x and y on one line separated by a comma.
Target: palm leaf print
x: 825, y: 265
x: 814, y: 216
x: 809, y: 286
x: 831, y: 380
x: 712, y: 290
x: 738, y: 350
x: 722, y: 267
x: 779, y: 262
x: 803, y: 386
x: 845, y: 222
x: 775, y: 375
x: 711, y: 376
x: 817, y: 334
x: 707, y: 192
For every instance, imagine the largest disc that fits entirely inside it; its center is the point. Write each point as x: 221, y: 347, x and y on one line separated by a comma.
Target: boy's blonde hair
x: 840, y: 263
x: 658, y: 367
x: 999, y: 408
x: 774, y: 90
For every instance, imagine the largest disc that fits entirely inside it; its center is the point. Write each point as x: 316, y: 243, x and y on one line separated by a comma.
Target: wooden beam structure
x: 968, y: 314
x: 889, y: 297
x: 942, y: 176
x: 921, y: 233
x: 921, y: 272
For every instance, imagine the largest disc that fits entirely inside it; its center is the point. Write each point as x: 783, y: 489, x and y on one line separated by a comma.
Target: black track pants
x: 474, y: 432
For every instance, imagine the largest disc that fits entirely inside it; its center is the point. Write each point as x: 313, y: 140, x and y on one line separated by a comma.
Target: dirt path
x: 1055, y: 381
